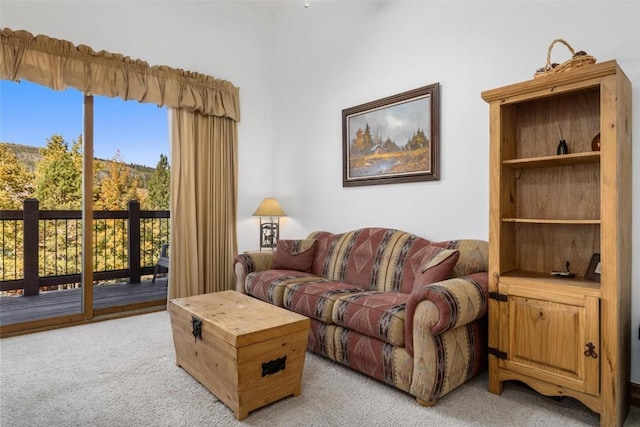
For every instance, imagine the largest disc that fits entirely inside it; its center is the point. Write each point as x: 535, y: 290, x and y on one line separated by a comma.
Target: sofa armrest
x: 249, y: 262
x: 452, y: 303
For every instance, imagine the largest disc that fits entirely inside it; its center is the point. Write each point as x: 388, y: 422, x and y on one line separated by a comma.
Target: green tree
x: 158, y: 187
x: 16, y: 182
x: 59, y: 187
x: 59, y: 175
x: 417, y: 141
x: 367, y: 141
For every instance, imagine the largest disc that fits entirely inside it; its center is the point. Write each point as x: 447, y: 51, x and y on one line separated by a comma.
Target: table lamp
x: 269, y: 228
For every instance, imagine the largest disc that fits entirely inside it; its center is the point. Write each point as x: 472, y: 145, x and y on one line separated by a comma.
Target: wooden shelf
x: 561, y: 160
x: 545, y: 281
x: 553, y: 221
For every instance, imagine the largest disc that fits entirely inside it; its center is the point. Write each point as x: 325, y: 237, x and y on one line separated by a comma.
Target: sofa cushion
x: 294, y: 255
x: 321, y: 340
x: 374, y: 313
x: 269, y: 285
x: 436, y: 265
x: 375, y: 358
x: 315, y: 299
x: 372, y: 258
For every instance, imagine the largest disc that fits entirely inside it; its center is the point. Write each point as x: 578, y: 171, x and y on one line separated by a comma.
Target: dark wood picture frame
x: 593, y: 270
x: 392, y: 140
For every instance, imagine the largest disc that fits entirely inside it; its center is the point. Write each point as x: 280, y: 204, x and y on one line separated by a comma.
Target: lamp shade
x: 269, y: 207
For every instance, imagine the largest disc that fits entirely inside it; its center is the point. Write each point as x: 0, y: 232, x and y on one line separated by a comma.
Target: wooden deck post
x: 31, y: 216
x: 133, y: 241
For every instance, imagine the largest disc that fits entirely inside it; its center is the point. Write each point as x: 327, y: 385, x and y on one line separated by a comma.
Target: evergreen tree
x: 390, y: 146
x: 16, y: 182
x: 58, y: 176
x: 418, y: 140
x: 367, y: 141
x: 58, y: 187
x: 158, y: 198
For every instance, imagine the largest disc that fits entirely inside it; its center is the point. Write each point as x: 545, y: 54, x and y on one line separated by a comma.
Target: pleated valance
x: 59, y: 64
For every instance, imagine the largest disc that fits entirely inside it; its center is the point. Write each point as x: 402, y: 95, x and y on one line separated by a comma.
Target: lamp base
x: 269, y: 234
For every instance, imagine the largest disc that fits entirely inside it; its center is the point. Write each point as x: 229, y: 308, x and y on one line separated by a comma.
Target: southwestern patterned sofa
x: 387, y: 303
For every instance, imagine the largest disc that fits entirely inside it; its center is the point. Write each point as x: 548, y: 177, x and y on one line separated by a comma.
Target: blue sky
x: 30, y: 113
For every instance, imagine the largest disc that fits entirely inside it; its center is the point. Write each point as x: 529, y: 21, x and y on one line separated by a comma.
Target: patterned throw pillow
x: 437, y: 264
x: 474, y: 255
x: 294, y: 255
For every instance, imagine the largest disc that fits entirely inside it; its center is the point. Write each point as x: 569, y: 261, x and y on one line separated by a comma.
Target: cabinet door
x: 553, y: 337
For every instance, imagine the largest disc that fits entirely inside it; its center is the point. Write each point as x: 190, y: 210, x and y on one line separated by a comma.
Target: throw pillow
x: 436, y: 265
x: 294, y: 255
x: 474, y: 255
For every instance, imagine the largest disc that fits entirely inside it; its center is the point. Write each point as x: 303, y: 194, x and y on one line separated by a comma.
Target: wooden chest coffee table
x: 247, y: 352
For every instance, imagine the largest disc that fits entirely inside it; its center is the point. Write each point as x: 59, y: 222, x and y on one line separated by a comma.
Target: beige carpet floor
x: 122, y: 373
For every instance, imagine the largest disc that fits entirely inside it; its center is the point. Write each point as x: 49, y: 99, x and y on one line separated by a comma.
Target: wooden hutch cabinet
x: 563, y: 334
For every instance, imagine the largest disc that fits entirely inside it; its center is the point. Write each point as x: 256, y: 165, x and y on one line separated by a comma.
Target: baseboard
x: 635, y: 394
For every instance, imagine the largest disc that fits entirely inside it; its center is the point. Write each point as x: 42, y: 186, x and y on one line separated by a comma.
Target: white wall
x: 297, y: 68
x: 336, y: 55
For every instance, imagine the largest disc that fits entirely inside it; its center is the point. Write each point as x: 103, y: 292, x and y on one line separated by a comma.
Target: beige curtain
x: 58, y: 64
x: 203, y: 203
x: 205, y: 112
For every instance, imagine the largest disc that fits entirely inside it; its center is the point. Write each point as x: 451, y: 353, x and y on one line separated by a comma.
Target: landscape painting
x: 392, y: 140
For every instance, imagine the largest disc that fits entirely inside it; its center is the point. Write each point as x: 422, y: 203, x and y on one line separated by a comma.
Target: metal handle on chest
x: 274, y: 366
x: 196, y: 325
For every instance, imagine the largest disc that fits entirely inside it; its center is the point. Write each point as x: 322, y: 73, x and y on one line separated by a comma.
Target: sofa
x: 394, y: 306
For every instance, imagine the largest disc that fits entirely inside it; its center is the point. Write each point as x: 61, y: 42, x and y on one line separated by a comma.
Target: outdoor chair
x: 163, y: 261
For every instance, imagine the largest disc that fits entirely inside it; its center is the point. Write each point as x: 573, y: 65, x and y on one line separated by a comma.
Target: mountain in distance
x: 30, y: 156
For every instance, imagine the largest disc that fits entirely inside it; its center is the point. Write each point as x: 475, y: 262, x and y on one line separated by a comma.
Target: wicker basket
x: 578, y: 59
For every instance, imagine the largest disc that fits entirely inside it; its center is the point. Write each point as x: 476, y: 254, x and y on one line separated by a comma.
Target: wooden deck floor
x: 59, y: 303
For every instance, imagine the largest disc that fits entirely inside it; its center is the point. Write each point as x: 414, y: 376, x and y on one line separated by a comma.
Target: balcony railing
x: 42, y: 249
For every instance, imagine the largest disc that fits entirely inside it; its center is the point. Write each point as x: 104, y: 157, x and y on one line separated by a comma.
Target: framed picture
x: 594, y: 269
x: 392, y: 140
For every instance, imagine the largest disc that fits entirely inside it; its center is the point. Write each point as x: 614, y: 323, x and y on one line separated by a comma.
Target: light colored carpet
x: 122, y: 373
